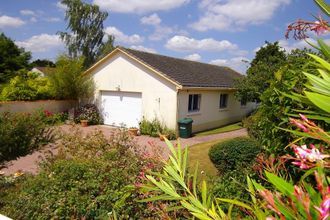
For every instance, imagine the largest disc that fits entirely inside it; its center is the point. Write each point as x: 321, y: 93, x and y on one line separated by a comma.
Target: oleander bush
x: 22, y: 133
x: 234, y: 153
x: 90, y: 178
x: 88, y: 112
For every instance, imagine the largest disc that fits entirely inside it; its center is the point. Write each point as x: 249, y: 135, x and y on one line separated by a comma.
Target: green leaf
x: 251, y: 189
x: 185, y: 161
x: 204, y: 193
x: 323, y: 63
x: 324, y: 47
x: 324, y: 6
x: 280, y: 184
x: 161, y: 197
x: 235, y: 202
x: 317, y: 81
x: 195, y: 179
x: 321, y: 101
x: 325, y: 75
x: 176, y: 176
x: 171, y: 147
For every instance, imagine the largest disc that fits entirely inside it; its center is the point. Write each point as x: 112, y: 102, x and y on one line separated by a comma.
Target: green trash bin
x: 185, y: 127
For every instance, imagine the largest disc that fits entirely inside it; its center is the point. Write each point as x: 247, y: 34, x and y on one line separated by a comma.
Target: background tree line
x: 86, y: 43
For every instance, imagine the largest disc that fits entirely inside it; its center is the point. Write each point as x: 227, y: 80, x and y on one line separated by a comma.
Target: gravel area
x: 29, y: 163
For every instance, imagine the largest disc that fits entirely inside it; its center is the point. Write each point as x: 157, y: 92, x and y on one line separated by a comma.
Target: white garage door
x: 121, y: 108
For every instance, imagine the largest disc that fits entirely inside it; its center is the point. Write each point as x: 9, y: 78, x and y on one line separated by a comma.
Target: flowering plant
x: 90, y: 113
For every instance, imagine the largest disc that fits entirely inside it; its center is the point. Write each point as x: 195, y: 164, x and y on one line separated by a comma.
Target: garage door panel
x: 121, y: 108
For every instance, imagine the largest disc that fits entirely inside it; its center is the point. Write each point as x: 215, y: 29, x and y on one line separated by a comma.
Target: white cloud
x: 27, y: 12
x: 52, y: 19
x: 288, y: 46
x: 139, y: 6
x: 182, y: 43
x: 61, y: 6
x: 160, y: 33
x: 193, y: 57
x: 7, y: 21
x: 231, y: 15
x: 153, y: 19
x: 142, y: 48
x: 123, y: 38
x: 237, y: 63
x: 33, y: 19
x: 41, y: 43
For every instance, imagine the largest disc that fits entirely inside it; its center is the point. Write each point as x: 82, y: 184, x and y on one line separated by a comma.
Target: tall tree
x: 42, y: 63
x: 267, y: 61
x: 12, y: 58
x: 85, y: 25
x: 106, y: 48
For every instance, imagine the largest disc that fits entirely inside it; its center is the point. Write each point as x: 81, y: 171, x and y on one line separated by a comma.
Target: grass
x: 199, y: 153
x: 231, y: 127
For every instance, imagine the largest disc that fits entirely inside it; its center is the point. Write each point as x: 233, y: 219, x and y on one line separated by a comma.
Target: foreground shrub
x: 154, y: 128
x: 88, y: 112
x: 90, y: 178
x: 233, y: 154
x: 21, y: 133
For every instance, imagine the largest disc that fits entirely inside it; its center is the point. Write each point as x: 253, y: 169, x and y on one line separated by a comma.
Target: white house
x: 43, y: 71
x: 132, y: 84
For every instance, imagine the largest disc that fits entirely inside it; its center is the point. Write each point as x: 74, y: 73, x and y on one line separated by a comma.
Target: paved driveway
x: 29, y: 163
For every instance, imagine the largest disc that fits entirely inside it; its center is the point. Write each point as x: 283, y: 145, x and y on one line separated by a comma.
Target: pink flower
x: 311, y: 155
x: 303, y: 117
x: 319, y: 27
x: 298, y: 124
x: 324, y: 209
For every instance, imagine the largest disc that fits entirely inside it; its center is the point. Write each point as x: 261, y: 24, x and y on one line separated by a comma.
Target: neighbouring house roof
x: 185, y: 73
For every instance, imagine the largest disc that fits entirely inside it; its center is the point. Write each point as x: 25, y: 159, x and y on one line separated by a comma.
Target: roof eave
x: 207, y: 88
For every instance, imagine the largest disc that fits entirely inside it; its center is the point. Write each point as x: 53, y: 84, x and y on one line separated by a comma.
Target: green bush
x: 68, y: 79
x: 233, y: 154
x: 53, y: 118
x: 154, y: 128
x: 89, y: 178
x: 27, y: 86
x: 88, y: 112
x: 21, y: 133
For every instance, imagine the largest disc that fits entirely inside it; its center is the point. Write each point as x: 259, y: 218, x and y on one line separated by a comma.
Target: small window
x: 243, y: 103
x: 223, y: 101
x: 194, y: 102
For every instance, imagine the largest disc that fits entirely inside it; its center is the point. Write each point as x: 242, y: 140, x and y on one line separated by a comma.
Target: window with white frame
x: 223, y: 101
x: 194, y: 102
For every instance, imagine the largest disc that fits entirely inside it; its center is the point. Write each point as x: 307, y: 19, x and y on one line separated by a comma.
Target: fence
x: 53, y: 106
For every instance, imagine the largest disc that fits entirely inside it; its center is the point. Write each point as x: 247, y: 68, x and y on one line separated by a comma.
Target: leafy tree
x: 85, y: 25
x: 69, y: 81
x: 12, y: 58
x: 267, y: 61
x: 106, y: 48
x: 27, y: 86
x: 272, y: 114
x: 42, y: 63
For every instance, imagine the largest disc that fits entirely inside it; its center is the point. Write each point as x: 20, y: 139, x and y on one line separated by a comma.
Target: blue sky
x: 221, y: 32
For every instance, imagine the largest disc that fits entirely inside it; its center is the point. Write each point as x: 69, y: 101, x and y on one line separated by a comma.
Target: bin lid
x: 185, y: 121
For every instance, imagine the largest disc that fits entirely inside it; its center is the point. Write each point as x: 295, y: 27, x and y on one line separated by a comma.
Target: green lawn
x: 199, y: 153
x: 231, y: 127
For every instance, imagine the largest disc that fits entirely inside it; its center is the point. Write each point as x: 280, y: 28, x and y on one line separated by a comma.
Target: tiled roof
x: 185, y: 72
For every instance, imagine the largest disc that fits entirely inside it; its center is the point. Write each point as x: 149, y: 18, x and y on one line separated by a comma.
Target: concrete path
x: 29, y: 163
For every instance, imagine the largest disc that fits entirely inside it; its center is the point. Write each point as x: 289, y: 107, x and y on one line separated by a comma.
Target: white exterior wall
x: 210, y: 116
x: 159, y: 96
